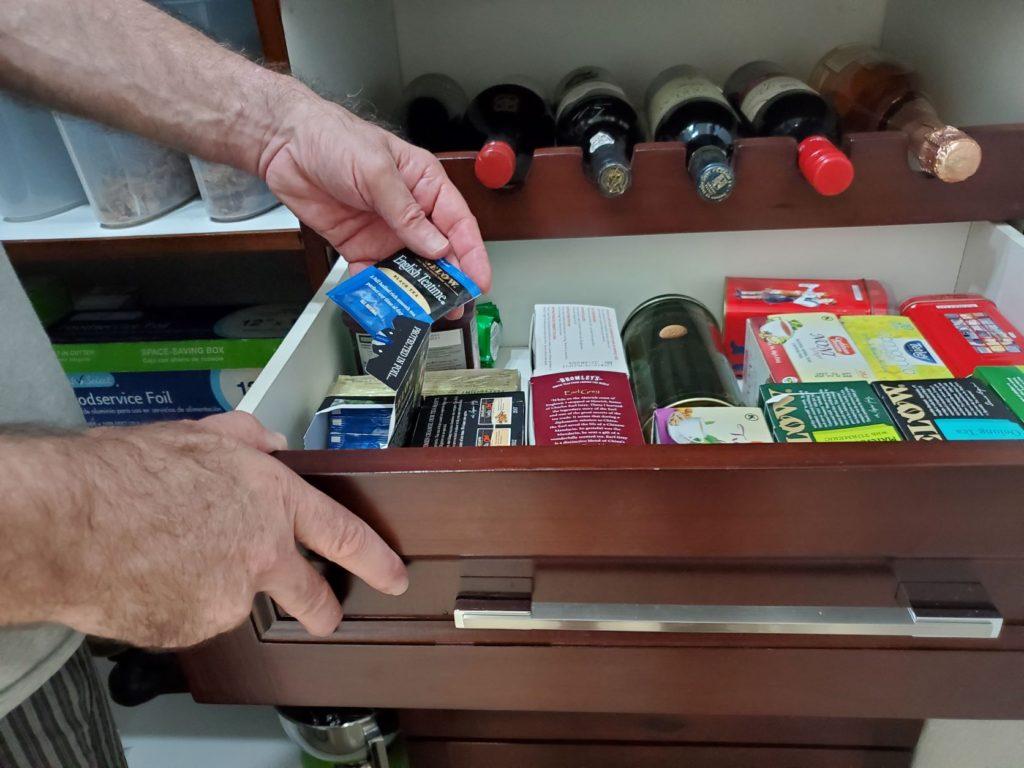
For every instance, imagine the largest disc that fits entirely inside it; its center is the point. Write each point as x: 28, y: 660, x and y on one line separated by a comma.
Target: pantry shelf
x: 558, y: 201
x: 279, y: 226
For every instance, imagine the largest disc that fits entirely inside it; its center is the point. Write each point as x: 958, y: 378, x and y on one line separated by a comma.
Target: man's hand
x: 125, y: 63
x: 367, y: 191
x: 161, y: 535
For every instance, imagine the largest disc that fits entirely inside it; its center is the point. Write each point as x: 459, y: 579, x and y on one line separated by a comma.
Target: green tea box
x: 1008, y: 382
x: 826, y: 412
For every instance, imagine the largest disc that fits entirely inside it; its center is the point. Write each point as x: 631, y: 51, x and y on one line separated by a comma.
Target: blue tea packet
x: 403, y: 285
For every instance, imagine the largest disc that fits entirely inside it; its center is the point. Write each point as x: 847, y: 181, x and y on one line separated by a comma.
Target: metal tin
x: 674, y: 352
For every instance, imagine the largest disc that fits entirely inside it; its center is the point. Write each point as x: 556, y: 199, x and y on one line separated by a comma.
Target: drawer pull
x: 895, y: 621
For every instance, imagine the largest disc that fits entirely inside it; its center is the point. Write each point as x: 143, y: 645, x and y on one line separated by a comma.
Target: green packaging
x: 488, y: 326
x: 826, y: 412
x: 1008, y: 382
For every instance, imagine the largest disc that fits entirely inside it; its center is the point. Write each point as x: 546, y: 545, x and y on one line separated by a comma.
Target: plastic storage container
x: 37, y: 178
x: 127, y: 179
x: 229, y: 194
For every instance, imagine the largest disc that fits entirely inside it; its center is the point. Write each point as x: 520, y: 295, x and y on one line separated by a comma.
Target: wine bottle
x: 508, y: 121
x: 594, y: 114
x: 432, y: 111
x: 684, y: 105
x: 873, y: 91
x: 774, y: 103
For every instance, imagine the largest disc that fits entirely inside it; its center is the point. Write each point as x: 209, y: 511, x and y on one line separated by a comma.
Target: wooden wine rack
x: 557, y: 200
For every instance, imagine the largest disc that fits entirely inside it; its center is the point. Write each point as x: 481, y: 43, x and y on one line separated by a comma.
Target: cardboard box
x: 948, y: 409
x: 754, y: 297
x: 966, y: 330
x: 806, y: 347
x: 580, y: 392
x: 127, y: 399
x: 710, y: 425
x: 186, y: 339
x: 827, y: 412
x: 1008, y: 383
x: 894, y: 348
x: 332, y: 426
x: 484, y: 421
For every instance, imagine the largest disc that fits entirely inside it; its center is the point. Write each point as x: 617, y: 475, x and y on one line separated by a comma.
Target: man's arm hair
x: 129, y: 65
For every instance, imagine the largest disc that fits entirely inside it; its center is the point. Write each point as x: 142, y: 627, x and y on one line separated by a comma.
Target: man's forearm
x: 127, y: 64
x: 41, y: 507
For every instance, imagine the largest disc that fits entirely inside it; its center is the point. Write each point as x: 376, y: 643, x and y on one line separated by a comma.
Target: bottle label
x: 846, y: 55
x: 600, y: 139
x: 585, y: 90
x: 680, y: 90
x: 767, y: 90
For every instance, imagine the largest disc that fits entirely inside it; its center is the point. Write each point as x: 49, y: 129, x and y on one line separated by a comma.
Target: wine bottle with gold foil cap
x: 872, y: 91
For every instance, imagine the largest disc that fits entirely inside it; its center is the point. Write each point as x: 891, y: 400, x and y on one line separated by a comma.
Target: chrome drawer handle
x: 896, y: 621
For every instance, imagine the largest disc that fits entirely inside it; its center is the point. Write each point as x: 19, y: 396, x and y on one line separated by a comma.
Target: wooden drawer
x: 446, y: 739
x: 791, y: 528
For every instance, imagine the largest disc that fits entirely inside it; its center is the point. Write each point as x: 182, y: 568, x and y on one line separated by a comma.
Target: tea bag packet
x: 395, y: 302
x: 403, y: 285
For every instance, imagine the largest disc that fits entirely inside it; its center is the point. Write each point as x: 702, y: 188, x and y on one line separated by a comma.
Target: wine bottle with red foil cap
x: 508, y: 121
x: 873, y: 91
x: 432, y: 112
x: 595, y: 114
x: 774, y: 103
x: 684, y: 105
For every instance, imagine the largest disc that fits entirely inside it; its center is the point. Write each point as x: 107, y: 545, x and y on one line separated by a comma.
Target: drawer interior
x: 621, y: 272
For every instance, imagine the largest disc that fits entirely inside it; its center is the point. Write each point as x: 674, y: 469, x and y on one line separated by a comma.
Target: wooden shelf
x: 558, y: 201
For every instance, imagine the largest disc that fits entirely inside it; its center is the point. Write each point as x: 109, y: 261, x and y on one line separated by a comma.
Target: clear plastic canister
x: 128, y: 179
x: 228, y: 194
x: 37, y: 178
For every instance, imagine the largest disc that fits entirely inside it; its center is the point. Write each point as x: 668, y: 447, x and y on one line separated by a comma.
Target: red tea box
x: 579, y: 391
x: 754, y: 297
x: 966, y: 330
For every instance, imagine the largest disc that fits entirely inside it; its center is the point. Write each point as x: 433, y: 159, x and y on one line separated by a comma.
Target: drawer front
x: 865, y: 500
x: 476, y: 754
x: 394, y: 657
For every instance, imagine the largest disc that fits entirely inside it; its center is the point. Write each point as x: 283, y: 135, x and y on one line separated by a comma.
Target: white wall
x: 621, y: 272
x: 971, y: 53
x: 346, y: 49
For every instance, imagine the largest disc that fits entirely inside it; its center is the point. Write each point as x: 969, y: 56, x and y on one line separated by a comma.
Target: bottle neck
x: 712, y: 173
x: 606, y: 158
x: 917, y: 118
x: 698, y: 135
x: 941, y: 149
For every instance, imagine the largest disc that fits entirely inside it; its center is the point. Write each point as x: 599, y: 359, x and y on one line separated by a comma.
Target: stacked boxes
x: 136, y: 366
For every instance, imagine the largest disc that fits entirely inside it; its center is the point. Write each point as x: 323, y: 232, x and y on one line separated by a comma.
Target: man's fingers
x: 245, y: 428
x: 396, y: 205
x: 328, y: 528
x: 302, y: 592
x: 452, y: 216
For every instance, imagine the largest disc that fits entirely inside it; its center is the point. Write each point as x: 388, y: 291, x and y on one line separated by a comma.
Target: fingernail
x: 400, y: 587
x: 437, y: 244
x: 280, y: 441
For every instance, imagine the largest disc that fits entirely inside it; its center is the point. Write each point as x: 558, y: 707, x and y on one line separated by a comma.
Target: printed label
x: 878, y: 433
x: 768, y: 89
x: 680, y: 90
x: 598, y: 140
x: 846, y: 55
x: 445, y: 350
x: 980, y: 429
x: 586, y: 89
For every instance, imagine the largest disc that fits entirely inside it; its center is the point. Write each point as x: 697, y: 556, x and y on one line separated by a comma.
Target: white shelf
x: 191, y: 219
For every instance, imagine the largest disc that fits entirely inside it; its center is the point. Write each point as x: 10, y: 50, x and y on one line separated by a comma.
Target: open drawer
x: 842, y: 580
